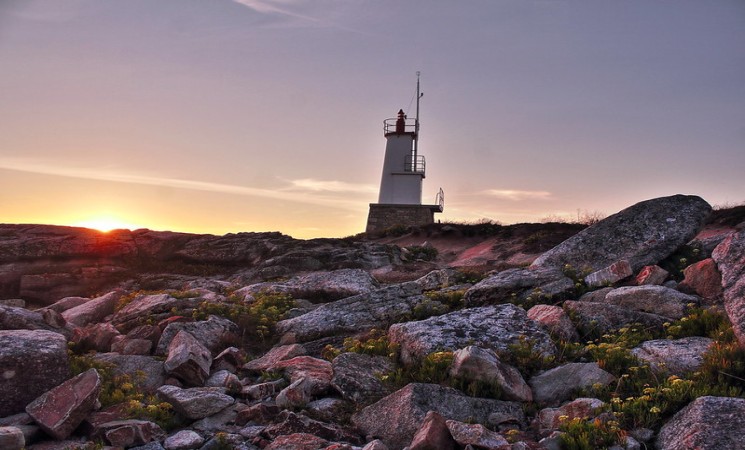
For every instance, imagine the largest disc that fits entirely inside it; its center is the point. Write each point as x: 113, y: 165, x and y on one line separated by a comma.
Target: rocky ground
x: 629, y: 334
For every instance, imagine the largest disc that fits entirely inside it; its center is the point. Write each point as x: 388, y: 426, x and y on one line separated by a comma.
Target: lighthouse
x: 404, y: 170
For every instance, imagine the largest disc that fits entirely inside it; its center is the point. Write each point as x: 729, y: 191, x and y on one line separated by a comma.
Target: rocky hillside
x: 629, y: 334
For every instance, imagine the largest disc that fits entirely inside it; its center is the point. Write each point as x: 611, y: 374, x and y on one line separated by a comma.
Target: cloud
x: 517, y: 195
x: 288, y: 193
x: 283, y: 8
x: 272, y: 7
x: 312, y: 185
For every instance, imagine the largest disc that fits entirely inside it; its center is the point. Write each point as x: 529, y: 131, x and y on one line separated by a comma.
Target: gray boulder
x: 319, y: 286
x: 195, y: 403
x: 642, y: 234
x: 479, y: 364
x: 215, y: 333
x: 274, y: 356
x: 433, y: 433
x: 438, y: 279
x: 188, y: 360
x: 146, y: 372
x: 497, y: 327
x: 518, y: 284
x: 659, y: 300
x: 60, y: 410
x: 555, y: 320
x: 476, y: 435
x: 617, y: 271
x: 11, y: 438
x: 560, y: 383
x: 730, y: 259
x: 355, y: 314
x: 707, y: 423
x: 15, y: 318
x: 357, y: 377
x: 31, y: 363
x: 183, y: 440
x: 602, y: 318
x: 94, y: 310
x: 128, y: 433
x: 674, y: 356
x: 155, y: 307
x: 396, y: 418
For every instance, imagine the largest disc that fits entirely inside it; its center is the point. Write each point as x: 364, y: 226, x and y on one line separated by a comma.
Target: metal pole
x: 416, y: 121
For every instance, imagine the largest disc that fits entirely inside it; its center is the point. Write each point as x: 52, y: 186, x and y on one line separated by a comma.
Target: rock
x: 66, y: 303
x: 229, y: 359
x: 264, y: 390
x: 263, y: 413
x: 602, y: 318
x: 377, y: 444
x: 156, y: 307
x: 188, y: 360
x: 478, y: 364
x: 222, y: 421
x: 319, y: 287
x: 356, y: 314
x: 654, y: 275
x: 730, y: 259
x: 658, y: 300
x: 642, y: 234
x: 11, y: 438
x: 396, y: 418
x: 128, y: 433
x: 329, y: 409
x: 560, y: 383
x: 96, y: 337
x: 13, y: 318
x: 703, y: 279
x: 291, y: 422
x: 555, y: 320
x: 146, y: 372
x: 60, y: 410
x: 617, y: 271
x: 31, y: 363
x: 707, y: 423
x: 549, y: 419
x: 518, y: 284
x: 438, y: 279
x: 596, y: 296
x: 273, y: 356
x: 496, y: 327
x: 308, y: 377
x: 674, y: 356
x: 226, y: 380
x: 433, y: 434
x: 93, y: 311
x: 215, y: 334
x: 183, y: 440
x: 195, y: 403
x: 14, y: 302
x: 126, y: 346
x: 297, y: 441
x: 475, y: 435
x: 357, y: 377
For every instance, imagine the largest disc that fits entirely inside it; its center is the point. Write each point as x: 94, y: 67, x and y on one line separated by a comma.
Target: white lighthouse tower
x: 400, y: 198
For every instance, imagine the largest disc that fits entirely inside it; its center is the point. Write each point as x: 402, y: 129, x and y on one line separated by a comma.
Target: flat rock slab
x: 59, y: 411
x: 659, y: 300
x: 195, y: 403
x: 602, y: 318
x: 357, y: 377
x: 560, y: 383
x: 396, y: 418
x: 674, y: 356
x: 319, y: 287
x: 355, y: 314
x: 730, y: 259
x: 518, y: 284
x: 31, y: 363
x: 707, y: 423
x: 496, y: 327
x: 642, y: 234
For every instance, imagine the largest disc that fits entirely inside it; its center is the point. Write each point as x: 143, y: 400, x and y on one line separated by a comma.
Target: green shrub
x: 525, y: 356
x: 374, y: 342
x: 707, y: 322
x: 453, y: 299
x: 421, y: 252
x: 580, y: 434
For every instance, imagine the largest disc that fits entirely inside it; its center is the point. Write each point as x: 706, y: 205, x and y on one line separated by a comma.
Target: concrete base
x: 385, y: 216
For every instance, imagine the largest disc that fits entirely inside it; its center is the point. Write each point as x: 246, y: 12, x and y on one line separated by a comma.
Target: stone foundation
x: 385, y: 216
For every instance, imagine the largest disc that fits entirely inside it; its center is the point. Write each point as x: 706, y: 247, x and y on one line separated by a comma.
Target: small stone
x: 183, y: 440
x: 11, y: 438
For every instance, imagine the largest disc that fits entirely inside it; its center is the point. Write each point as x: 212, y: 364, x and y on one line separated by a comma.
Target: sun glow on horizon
x: 105, y: 224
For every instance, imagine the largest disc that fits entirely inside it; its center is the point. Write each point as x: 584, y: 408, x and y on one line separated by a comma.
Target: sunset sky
x: 218, y: 116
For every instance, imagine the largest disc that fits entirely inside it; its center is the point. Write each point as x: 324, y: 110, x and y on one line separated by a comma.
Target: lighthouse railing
x: 390, y: 127
x: 415, y: 164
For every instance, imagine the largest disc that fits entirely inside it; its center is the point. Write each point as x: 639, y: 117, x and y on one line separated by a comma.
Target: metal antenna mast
x: 416, y: 122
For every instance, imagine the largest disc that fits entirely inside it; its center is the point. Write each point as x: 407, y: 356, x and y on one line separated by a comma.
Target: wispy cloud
x: 275, y: 7
x: 308, y: 194
x: 312, y: 185
x: 517, y: 195
x: 287, y: 9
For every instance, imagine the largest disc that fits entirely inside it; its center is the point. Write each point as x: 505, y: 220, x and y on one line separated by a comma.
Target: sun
x: 105, y: 224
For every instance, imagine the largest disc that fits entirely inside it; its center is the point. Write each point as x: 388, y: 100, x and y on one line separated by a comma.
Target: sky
x: 217, y: 116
